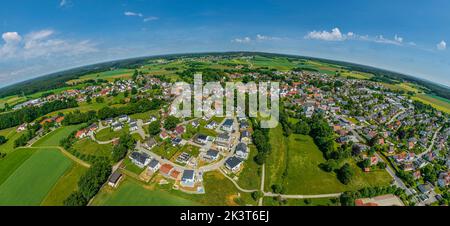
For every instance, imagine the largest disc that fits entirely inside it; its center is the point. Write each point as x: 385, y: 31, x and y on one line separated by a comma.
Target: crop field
x: 107, y: 75
x: 132, y: 193
x: 34, y: 178
x: 13, y: 161
x: 65, y: 186
x: 439, y: 103
x: 53, y: 138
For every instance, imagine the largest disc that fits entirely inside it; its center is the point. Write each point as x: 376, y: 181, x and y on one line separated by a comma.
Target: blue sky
x: 40, y: 37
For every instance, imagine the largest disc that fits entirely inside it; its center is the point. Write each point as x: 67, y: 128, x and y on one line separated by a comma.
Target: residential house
x: 201, y: 138
x: 228, y: 125
x: 223, y: 141
x: 183, y: 158
x: 140, y: 159
x: 165, y: 169
x: 188, y: 178
x: 164, y: 135
x: 241, y: 151
x: 149, y: 143
x: 211, y: 155
x: 211, y: 125
x: 245, y: 136
x: 154, y: 165
x: 114, y: 179
x: 444, y: 179
x: 233, y: 163
x: 124, y: 118
x: 133, y: 126
x: 176, y: 141
x: 116, y: 126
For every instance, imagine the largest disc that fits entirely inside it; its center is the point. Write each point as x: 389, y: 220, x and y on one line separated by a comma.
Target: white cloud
x: 242, y: 40
x: 41, y: 44
x: 65, y: 3
x: 9, y: 37
x: 129, y: 13
x: 334, y: 35
x: 260, y: 37
x: 150, y: 18
x: 441, y: 45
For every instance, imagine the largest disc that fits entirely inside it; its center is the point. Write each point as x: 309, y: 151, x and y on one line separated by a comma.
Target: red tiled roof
x: 166, y: 168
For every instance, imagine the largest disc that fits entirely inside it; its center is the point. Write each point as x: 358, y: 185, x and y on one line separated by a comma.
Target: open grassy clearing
x: 107, y: 134
x: 356, y: 74
x: 133, y: 193
x: 11, y: 100
x: 88, y: 147
x: 276, y: 160
x: 53, y: 138
x: 9, y: 145
x: 250, y: 176
x: 13, y: 161
x: 302, y: 158
x: 30, y: 183
x: 65, y: 186
x: 130, y: 166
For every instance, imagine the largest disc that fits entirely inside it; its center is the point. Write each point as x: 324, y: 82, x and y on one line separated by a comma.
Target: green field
x: 65, y: 186
x: 12, y: 135
x: 249, y: 177
x: 88, y: 147
x: 132, y: 193
x: 53, y: 138
x: 107, y: 75
x: 304, y: 176
x: 13, y: 161
x: 107, y: 134
x: 276, y: 159
x: 439, y: 103
x: 30, y: 183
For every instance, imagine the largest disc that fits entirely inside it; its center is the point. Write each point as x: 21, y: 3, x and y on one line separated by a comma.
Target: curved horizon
x: 216, y: 52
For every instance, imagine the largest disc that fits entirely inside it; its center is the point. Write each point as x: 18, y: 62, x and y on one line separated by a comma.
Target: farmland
x: 42, y: 170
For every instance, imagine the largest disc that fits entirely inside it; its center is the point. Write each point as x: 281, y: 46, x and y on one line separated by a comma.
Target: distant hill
x: 59, y: 79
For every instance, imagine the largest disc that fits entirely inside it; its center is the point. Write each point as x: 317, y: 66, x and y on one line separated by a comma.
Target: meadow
x: 34, y: 178
x: 53, y: 138
x: 294, y: 163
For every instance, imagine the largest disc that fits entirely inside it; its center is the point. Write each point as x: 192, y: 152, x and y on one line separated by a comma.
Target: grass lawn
x: 304, y: 176
x: 65, y: 186
x: 145, y: 115
x: 277, y: 159
x: 165, y: 150
x: 88, y: 147
x: 207, y: 132
x: 53, y: 138
x: 12, y: 161
x: 31, y: 182
x: 190, y: 149
x: 133, y: 193
x: 249, y: 177
x: 439, y: 103
x: 107, y: 134
x: 130, y: 166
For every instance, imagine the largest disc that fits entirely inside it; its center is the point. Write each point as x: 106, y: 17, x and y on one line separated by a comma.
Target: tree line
x: 89, y: 184
x: 28, y: 114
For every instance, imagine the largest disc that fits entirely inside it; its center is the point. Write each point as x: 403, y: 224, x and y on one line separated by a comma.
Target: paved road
x: 431, y: 145
x: 395, y: 116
